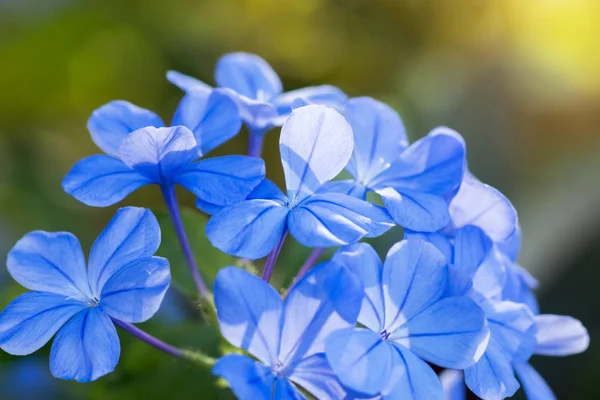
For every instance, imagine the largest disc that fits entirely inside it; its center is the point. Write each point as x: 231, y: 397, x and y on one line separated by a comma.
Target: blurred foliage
x: 519, y: 79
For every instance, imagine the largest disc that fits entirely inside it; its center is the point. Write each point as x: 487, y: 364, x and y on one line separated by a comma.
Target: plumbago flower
x: 286, y: 336
x: 140, y: 151
x: 409, y: 321
x: 315, y: 145
x: 124, y: 283
x: 257, y: 90
x: 414, y: 181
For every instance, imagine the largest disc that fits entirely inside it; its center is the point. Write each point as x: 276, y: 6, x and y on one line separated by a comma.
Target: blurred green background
x: 519, y: 79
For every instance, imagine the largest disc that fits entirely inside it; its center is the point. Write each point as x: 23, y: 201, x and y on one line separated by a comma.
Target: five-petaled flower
x: 409, y: 319
x: 287, y: 337
x: 315, y: 145
x: 124, y: 282
x: 140, y: 151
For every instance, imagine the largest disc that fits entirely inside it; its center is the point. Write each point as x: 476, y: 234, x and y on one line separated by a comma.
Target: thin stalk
x: 151, y: 340
x: 255, y: 144
x: 308, y: 264
x: 272, y: 259
x: 168, y: 191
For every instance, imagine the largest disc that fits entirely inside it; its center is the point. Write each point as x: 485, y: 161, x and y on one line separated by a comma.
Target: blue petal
x: 518, y: 287
x: 132, y: 234
x: 316, y: 376
x: 415, y: 276
x: 559, y: 335
x: 411, y: 378
x: 325, y: 95
x: 30, y: 320
x: 250, y: 229
x: 249, y: 312
x: 249, y: 75
x: 110, y: 123
x: 266, y: 189
x: 185, y: 82
x: 348, y: 187
x: 250, y: 380
x: 534, y: 385
x: 315, y: 145
x: 439, y: 240
x: 102, y: 181
x: 159, y: 153
x: 361, y: 359
x: 208, y: 208
x: 492, y: 377
x: 415, y: 210
x: 459, y: 283
x: 451, y: 333
x: 379, y: 137
x: 512, y: 246
x: 512, y: 326
x: 135, y: 292
x: 364, y: 262
x: 483, y: 206
x: 222, y: 180
x: 50, y: 262
x: 333, y: 219
x: 453, y: 384
x: 258, y: 115
x: 328, y: 298
x: 86, y: 348
x: 434, y: 164
x: 212, y: 116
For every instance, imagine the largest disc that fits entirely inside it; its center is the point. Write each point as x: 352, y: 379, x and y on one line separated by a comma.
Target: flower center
x: 93, y: 302
x: 384, y: 334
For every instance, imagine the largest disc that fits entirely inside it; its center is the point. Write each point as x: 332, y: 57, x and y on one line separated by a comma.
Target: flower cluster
x: 448, y: 309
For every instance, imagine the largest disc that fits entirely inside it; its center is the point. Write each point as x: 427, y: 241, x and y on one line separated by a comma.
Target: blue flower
x: 124, y: 281
x: 408, y: 320
x: 414, y: 181
x: 315, y: 145
x: 257, y: 90
x: 287, y: 337
x: 140, y: 152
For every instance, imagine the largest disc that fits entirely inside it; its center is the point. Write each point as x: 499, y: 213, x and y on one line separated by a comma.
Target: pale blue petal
x: 348, y: 187
x: 86, y: 348
x: 333, y: 219
x: 185, y: 82
x: 31, y: 319
x: 439, y: 240
x: 247, y: 378
x: 518, y: 287
x: 161, y: 153
x: 316, y: 376
x: 222, y: 180
x: 102, y: 181
x: 258, y: 115
x: 560, y: 335
x: 434, y: 164
x: 133, y: 233
x: 411, y: 378
x: 249, y: 75
x: 492, y: 377
x: 416, y: 211
x: 250, y: 229
x: 328, y: 298
x: 534, y: 385
x: 490, y: 278
x: 50, y: 262
x: 453, y: 384
x: 361, y: 359
x: 451, y: 333
x: 512, y: 326
x: 249, y: 312
x: 415, y: 276
x: 379, y: 137
x: 135, y: 292
x: 212, y: 116
x: 325, y: 95
x: 483, y: 206
x: 512, y: 246
x: 110, y: 123
x: 315, y: 144
x: 364, y: 262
